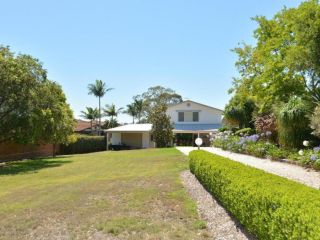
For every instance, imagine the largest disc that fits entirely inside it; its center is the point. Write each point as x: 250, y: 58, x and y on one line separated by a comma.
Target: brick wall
x: 11, y: 151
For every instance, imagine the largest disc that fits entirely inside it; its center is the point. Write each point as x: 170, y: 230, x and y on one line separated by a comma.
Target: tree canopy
x: 285, y: 61
x: 91, y: 114
x: 131, y: 111
x: 33, y: 109
x: 112, y: 112
x: 98, y: 89
x: 157, y: 95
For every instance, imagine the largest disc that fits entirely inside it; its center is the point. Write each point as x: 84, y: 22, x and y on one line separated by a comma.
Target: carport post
x: 107, y: 141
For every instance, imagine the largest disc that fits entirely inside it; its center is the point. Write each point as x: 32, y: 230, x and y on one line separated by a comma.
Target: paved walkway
x: 308, y: 177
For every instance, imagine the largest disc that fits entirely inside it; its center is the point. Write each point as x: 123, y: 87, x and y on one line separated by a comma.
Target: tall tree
x: 161, y: 126
x: 139, y: 105
x: 158, y: 95
x: 33, y: 109
x: 111, y: 111
x: 131, y: 111
x: 285, y: 62
x: 54, y: 116
x: 91, y: 114
x: 98, y: 89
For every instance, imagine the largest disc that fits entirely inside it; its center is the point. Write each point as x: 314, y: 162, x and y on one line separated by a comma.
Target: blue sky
x: 133, y: 45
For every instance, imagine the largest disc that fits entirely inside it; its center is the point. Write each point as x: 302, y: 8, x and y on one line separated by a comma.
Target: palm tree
x: 131, y: 110
x: 99, y: 89
x: 90, y: 114
x: 139, y: 105
x: 112, y: 111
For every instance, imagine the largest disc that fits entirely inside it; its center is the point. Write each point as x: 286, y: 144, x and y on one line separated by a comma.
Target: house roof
x: 198, y: 104
x: 82, y: 125
x: 196, y: 127
x: 85, y: 125
x: 139, y: 127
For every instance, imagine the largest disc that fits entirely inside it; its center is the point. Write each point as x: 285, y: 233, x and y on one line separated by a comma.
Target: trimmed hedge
x: 269, y: 206
x: 85, y: 144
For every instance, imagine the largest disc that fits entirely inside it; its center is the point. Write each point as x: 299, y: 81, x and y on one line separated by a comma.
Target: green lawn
x: 107, y: 195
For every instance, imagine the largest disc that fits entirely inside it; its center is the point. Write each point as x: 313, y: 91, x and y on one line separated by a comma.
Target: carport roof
x: 140, y: 127
x: 182, y: 128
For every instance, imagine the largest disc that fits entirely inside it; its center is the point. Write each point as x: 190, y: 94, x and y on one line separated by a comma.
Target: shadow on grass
x: 27, y: 166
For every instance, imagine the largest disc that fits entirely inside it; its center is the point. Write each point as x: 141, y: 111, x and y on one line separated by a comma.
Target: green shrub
x: 257, y: 149
x: 223, y: 129
x: 293, y: 123
x: 265, y: 123
x: 85, y: 144
x: 275, y: 153
x: 315, y: 121
x: 245, y: 131
x: 269, y: 206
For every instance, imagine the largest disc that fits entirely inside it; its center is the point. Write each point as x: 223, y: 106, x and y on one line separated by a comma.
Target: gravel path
x: 308, y: 177
x: 219, y: 223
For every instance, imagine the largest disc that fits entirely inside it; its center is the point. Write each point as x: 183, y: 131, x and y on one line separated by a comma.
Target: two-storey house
x: 190, y: 120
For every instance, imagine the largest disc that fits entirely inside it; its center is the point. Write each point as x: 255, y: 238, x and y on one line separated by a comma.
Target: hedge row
x: 269, y: 206
x: 85, y: 144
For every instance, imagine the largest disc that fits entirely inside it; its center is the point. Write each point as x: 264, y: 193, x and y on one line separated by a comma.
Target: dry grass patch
x: 107, y: 195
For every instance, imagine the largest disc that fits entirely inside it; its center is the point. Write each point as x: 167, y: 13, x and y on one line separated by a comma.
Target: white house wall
x: 145, y: 140
x: 116, y: 138
x: 207, y: 115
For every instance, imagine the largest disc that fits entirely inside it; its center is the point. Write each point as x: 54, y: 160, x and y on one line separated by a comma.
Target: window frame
x: 193, y: 116
x: 179, y: 115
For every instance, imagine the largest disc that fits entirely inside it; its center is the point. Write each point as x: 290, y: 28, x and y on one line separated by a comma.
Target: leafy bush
x: 119, y: 147
x: 269, y: 206
x: 265, y: 123
x: 308, y: 157
x: 223, y: 129
x: 315, y: 121
x: 239, y: 113
x: 276, y: 153
x: 85, y: 144
x: 258, y: 149
x: 245, y: 131
x: 293, y: 123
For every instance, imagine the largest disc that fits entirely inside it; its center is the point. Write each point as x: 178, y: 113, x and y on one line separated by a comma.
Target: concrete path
x: 308, y: 177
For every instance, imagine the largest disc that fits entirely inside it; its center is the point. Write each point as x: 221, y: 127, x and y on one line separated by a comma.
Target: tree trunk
x: 99, y: 127
x: 133, y: 119
x: 91, y: 126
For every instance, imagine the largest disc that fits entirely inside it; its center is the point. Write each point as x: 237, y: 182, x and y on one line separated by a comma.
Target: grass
x: 107, y: 195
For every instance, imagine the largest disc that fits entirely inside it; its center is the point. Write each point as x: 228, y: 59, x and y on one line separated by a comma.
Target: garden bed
x: 258, y: 145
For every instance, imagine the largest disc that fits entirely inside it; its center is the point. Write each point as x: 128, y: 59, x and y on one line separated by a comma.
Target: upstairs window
x: 188, y: 116
x: 181, y: 116
x: 196, y: 116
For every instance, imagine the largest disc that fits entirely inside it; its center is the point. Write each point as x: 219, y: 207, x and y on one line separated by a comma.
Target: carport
x: 132, y: 135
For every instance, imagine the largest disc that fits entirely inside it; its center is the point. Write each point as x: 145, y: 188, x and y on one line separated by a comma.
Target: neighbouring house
x: 190, y: 120
x: 84, y: 127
